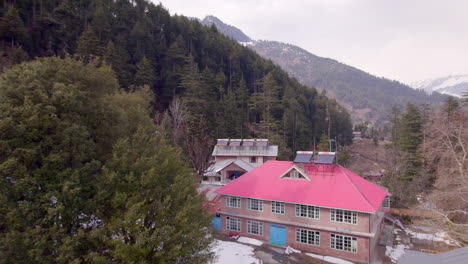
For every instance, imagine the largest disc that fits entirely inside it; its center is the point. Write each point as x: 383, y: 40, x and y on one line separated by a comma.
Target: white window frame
x: 255, y: 227
x: 304, y: 236
x: 344, y: 243
x: 251, y: 204
x: 343, y: 216
x: 233, y: 201
x: 278, y: 207
x: 233, y: 224
x: 386, y: 202
x: 307, y: 211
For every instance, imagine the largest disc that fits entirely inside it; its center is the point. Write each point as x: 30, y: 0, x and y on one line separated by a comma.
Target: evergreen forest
x: 227, y: 87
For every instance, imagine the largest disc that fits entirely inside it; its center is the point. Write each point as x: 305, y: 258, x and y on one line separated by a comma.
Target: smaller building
x: 234, y: 157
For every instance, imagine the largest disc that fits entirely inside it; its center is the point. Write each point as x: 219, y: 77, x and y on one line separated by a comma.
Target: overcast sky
x: 405, y: 40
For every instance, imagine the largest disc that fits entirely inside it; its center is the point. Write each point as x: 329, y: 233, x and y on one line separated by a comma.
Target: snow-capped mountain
x: 226, y: 29
x: 455, y: 85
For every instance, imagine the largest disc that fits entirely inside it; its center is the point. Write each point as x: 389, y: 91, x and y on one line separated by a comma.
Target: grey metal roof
x: 218, y: 166
x: 267, y: 151
x: 456, y: 256
x: 304, y: 157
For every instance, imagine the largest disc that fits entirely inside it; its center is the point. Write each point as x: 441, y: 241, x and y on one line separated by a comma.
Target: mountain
x: 366, y: 96
x: 456, y: 85
x: 226, y: 29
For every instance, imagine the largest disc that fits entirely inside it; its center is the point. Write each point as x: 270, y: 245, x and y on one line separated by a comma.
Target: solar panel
x: 235, y: 142
x: 248, y: 142
x: 222, y: 142
x: 304, y: 157
x: 325, y: 158
x: 262, y: 142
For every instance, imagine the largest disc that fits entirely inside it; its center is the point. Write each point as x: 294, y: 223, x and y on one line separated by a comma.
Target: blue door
x: 278, y: 235
x: 216, y: 222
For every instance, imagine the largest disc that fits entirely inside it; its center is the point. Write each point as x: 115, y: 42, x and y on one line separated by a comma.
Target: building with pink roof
x: 316, y: 206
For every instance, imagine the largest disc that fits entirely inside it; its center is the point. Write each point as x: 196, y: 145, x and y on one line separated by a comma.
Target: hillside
x: 367, y: 97
x: 231, y: 90
x: 226, y: 29
x: 456, y: 85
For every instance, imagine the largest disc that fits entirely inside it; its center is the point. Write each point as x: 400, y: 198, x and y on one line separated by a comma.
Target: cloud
x: 398, y: 39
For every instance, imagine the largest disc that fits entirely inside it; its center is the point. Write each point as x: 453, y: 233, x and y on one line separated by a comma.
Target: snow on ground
x: 329, y: 259
x: 290, y: 250
x: 249, y: 240
x: 395, y: 253
x: 233, y: 253
x: 438, y: 236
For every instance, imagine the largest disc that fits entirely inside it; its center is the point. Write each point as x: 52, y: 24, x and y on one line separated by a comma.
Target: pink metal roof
x: 330, y: 186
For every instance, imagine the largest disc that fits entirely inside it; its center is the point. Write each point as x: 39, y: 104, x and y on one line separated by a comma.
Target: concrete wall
x: 260, y: 159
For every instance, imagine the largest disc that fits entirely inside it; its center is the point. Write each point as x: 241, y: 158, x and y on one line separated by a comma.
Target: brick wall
x: 361, y: 256
x: 290, y: 216
x: 323, y: 225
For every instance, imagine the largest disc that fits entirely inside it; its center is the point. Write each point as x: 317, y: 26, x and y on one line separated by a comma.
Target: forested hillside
x: 221, y: 83
x: 367, y: 96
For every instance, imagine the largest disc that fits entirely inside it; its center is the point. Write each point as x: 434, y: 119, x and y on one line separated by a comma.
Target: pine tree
x: 89, y: 44
x: 56, y: 130
x: 145, y: 73
x: 157, y: 214
x: 410, y: 139
x: 12, y: 28
x: 324, y: 144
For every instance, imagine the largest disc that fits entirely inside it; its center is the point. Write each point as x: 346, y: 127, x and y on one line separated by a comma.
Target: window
x: 277, y: 207
x: 217, y: 178
x: 233, y: 224
x: 255, y: 205
x: 255, y: 227
x: 386, y: 202
x: 343, y: 216
x: 205, y: 178
x: 294, y: 174
x: 310, y: 237
x: 307, y: 211
x: 253, y: 159
x: 232, y: 201
x: 345, y: 243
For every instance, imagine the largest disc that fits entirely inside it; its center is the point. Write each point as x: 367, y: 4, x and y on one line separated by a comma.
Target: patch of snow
x: 337, y: 260
x: 233, y: 253
x: 438, y: 236
x: 329, y: 259
x: 249, y: 240
x: 395, y: 253
x: 453, y: 80
x: 290, y: 250
x: 315, y: 256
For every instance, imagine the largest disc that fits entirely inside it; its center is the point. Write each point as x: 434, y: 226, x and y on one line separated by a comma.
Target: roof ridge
x: 355, y: 186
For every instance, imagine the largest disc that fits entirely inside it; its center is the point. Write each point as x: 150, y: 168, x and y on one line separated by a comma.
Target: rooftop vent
x: 304, y: 157
x: 262, y: 142
x: 235, y: 142
x: 222, y: 142
x: 325, y: 158
x: 248, y: 142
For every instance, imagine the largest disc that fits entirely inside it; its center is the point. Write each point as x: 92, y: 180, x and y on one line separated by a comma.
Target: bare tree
x: 179, y: 117
x: 446, y: 150
x: 199, y: 146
